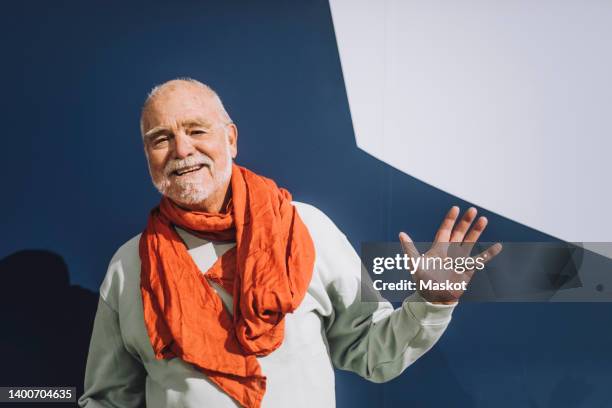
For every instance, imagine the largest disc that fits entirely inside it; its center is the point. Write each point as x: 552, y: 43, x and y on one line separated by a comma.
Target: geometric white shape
x: 504, y: 104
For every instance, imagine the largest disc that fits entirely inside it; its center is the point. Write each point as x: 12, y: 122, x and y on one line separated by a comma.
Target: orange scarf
x: 267, y: 272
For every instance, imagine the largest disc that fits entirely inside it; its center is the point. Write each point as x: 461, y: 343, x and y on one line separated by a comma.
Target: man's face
x: 188, y: 142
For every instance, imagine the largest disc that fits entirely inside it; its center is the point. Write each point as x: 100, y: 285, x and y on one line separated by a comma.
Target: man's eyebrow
x: 187, y: 123
x: 155, y: 131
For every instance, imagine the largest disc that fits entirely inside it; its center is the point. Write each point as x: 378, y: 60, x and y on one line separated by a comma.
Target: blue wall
x: 76, y: 185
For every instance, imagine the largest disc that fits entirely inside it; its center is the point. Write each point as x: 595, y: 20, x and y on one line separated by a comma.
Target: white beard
x: 193, y: 190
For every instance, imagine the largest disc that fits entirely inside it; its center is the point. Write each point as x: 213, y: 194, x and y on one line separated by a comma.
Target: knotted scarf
x: 267, y: 273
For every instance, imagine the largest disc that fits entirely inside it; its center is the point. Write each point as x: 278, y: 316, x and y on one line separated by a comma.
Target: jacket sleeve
x: 371, y: 338
x: 113, y: 377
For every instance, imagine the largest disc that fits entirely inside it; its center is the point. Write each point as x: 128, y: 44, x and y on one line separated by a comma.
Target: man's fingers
x: 460, y: 230
x: 444, y: 232
x: 408, y: 245
x: 475, y: 233
x: 491, y: 252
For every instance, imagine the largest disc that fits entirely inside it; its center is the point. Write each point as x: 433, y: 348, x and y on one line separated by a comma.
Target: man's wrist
x: 426, y: 312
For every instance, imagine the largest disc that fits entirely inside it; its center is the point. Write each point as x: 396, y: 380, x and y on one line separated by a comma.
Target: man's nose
x: 182, y: 146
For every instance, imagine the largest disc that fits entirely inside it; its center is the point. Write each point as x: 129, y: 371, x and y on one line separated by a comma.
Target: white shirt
x: 331, y: 327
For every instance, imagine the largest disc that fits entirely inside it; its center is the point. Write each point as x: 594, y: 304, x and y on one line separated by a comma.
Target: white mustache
x: 189, y: 161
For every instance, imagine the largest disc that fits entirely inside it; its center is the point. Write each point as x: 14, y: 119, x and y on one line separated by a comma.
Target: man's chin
x: 188, y: 197
x: 189, y: 194
x: 188, y: 191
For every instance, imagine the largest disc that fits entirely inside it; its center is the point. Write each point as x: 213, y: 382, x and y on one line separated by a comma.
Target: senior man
x: 235, y: 295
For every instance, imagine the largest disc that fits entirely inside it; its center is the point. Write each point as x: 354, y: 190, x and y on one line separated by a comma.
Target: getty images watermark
x: 522, y: 271
x: 428, y: 265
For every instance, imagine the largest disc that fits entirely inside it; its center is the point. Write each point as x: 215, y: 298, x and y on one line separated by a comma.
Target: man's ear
x: 232, y: 138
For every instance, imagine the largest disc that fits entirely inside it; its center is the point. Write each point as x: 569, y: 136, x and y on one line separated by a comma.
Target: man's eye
x: 160, y: 141
x: 197, y: 132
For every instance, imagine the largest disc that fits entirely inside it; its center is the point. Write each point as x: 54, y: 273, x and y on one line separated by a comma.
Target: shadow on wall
x: 46, y: 322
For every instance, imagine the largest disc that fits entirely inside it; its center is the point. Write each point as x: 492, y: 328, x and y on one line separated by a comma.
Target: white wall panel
x: 507, y: 104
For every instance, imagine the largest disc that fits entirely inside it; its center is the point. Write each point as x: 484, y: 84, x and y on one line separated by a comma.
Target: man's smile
x: 187, y: 170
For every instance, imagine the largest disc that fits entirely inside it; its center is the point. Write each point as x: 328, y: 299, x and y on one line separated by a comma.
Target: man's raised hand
x: 452, y: 240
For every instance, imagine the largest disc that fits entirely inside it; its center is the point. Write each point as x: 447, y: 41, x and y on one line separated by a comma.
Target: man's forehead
x: 181, y: 105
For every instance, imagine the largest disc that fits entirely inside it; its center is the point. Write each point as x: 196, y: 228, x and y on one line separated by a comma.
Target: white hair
x: 157, y: 88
